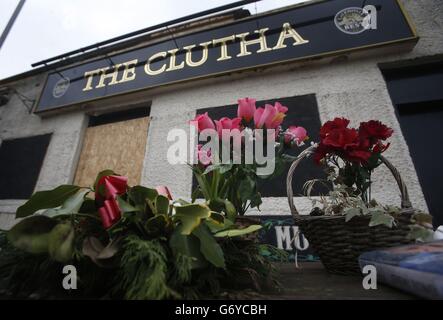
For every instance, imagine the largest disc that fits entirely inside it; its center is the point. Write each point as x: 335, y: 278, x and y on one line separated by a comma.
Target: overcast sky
x: 46, y: 28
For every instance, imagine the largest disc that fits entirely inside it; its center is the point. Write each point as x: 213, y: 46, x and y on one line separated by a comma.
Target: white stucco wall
x: 353, y: 88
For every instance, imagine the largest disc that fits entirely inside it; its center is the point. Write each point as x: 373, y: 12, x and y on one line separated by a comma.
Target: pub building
x: 112, y: 105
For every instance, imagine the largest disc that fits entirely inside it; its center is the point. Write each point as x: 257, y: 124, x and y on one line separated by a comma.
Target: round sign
x: 61, y: 87
x: 351, y: 20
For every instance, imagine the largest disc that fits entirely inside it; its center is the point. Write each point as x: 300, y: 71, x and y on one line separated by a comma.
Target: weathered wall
x: 344, y: 87
x: 58, y: 166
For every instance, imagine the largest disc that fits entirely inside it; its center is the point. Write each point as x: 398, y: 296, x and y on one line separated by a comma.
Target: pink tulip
x: 246, y: 108
x: 204, y: 156
x: 226, y: 123
x: 279, y: 116
x: 271, y: 116
x: 296, y: 134
x: 164, y: 191
x: 202, y: 122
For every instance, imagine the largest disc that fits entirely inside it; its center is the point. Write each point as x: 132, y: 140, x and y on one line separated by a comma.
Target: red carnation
x: 374, y: 130
x: 337, y: 123
x: 343, y: 138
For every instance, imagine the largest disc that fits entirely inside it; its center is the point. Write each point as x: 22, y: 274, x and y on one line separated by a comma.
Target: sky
x: 46, y: 28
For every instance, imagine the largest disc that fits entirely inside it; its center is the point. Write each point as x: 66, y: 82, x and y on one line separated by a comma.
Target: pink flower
x: 204, y: 156
x: 164, y: 191
x: 109, y: 213
x: 271, y: 116
x: 226, y: 123
x: 109, y: 187
x: 296, y: 134
x: 246, y: 108
x: 202, y: 122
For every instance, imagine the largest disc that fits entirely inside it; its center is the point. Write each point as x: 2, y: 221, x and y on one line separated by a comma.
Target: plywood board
x: 119, y: 146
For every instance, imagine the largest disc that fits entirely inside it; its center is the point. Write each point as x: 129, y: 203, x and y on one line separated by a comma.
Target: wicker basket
x: 339, y: 243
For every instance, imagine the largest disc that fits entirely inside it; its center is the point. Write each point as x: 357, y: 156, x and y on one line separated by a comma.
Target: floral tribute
x: 350, y: 155
x: 358, y: 149
x: 127, y: 243
x: 232, y: 186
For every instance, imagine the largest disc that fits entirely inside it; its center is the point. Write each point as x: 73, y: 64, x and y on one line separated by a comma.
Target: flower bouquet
x: 227, y: 180
x: 121, y: 242
x: 348, y: 222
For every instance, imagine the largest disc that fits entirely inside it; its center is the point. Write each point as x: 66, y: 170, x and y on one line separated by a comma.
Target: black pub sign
x: 299, y: 32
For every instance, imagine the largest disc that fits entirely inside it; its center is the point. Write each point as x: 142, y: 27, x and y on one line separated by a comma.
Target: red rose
x: 337, y: 123
x: 343, y: 138
x: 374, y: 130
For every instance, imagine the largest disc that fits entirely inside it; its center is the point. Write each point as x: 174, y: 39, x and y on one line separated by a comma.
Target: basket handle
x: 405, y: 202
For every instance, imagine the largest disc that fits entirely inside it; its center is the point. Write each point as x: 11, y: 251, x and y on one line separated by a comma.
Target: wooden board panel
x: 119, y: 146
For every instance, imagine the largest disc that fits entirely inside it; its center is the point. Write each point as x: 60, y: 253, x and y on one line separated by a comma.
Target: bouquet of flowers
x: 228, y: 180
x: 349, y: 156
x: 126, y: 242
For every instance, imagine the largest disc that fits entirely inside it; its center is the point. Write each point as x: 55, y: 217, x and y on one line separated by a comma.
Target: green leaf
x: 61, y: 242
x: 231, y: 212
x: 217, y: 222
x: 238, y: 232
x: 188, y: 246
x: 191, y: 215
x: 71, y: 205
x: 162, y: 205
x: 351, y: 213
x: 223, y: 168
x: 32, y: 234
x: 380, y: 218
x: 46, y: 199
x: 256, y: 200
x: 181, y: 202
x: 246, y: 189
x: 138, y: 195
x: 209, y: 247
x: 156, y: 225
x: 420, y: 233
x: 125, y: 206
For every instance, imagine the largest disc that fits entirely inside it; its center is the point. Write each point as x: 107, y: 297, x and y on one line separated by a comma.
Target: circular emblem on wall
x: 351, y: 20
x: 61, y: 87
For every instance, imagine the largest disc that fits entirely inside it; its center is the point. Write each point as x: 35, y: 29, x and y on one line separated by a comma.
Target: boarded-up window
x: 114, y: 141
x: 20, y: 163
x: 302, y: 111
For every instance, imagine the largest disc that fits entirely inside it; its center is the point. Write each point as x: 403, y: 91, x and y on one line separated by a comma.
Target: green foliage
x: 236, y: 184
x: 144, y: 270
x: 41, y: 234
x: 71, y: 205
x: 46, y: 199
x: 209, y: 247
x: 187, y: 245
x: 157, y: 249
x: 381, y: 218
x: 238, y: 232
x: 191, y: 215
x: 32, y: 234
x: 61, y: 239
